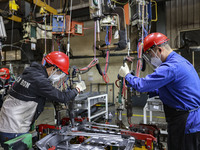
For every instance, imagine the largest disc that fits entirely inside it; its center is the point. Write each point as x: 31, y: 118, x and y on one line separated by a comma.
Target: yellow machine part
x: 47, y: 7
x: 143, y: 147
x: 43, y: 10
x: 156, y: 11
x: 140, y: 148
x: 13, y: 6
x: 15, y: 18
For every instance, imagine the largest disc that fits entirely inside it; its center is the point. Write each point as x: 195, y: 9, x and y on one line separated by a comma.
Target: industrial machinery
x: 112, y: 19
x: 21, y: 142
x: 88, y: 136
x: 108, y: 17
x: 3, y: 35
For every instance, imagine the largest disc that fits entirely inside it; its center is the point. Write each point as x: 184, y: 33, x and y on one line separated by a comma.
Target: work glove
x: 2, y: 91
x: 80, y: 86
x: 124, y: 70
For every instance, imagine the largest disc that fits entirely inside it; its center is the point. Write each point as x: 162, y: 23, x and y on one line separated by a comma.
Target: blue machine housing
x: 59, y: 23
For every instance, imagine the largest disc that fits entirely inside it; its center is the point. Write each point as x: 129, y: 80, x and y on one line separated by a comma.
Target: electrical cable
x: 110, y: 34
x: 95, y: 34
x: 12, y: 31
x: 86, y: 69
x: 95, y: 2
x: 64, y: 6
x: 45, y: 39
x: 119, y: 2
x: 34, y: 7
x: 104, y: 74
x: 106, y: 37
x: 68, y: 41
x: 140, y: 44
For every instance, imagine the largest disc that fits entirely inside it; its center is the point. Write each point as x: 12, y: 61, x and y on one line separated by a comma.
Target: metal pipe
x: 193, y: 58
x: 68, y: 41
x: 98, y: 30
x: 87, y: 56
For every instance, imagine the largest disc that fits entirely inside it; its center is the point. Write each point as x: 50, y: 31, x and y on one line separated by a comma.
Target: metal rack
x: 103, y: 85
x: 153, y: 104
x: 87, y: 100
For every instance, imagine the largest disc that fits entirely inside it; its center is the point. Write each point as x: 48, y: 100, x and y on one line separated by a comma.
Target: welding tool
x: 73, y: 74
x: 120, y: 101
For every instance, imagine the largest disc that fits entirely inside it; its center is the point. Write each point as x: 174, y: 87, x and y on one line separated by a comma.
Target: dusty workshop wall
x: 183, y: 15
x: 84, y: 46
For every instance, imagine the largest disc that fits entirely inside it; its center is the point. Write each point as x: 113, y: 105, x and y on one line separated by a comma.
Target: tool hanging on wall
x: 95, y: 61
x: 105, y: 13
x: 141, y: 20
x: 68, y: 40
x: 120, y: 102
x: 123, y: 102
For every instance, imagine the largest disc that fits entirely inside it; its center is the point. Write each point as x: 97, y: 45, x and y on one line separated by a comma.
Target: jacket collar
x: 40, y: 67
x: 170, y: 55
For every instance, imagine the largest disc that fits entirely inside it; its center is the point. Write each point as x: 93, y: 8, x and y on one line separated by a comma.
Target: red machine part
x: 66, y: 120
x: 81, y: 139
x: 52, y: 148
x: 140, y: 136
x: 149, y: 129
x: 76, y: 28
x: 42, y: 127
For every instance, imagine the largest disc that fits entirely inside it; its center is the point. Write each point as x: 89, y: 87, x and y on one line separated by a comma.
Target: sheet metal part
x: 96, y: 136
x: 61, y: 140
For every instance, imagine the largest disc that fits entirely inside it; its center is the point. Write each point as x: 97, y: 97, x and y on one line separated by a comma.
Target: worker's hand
x: 124, y: 70
x: 2, y: 91
x: 80, y: 86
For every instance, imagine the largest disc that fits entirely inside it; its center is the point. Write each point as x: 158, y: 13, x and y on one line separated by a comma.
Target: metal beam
x: 15, y: 18
x: 47, y: 7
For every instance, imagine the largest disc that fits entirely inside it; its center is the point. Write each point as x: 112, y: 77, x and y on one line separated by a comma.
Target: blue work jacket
x: 178, y: 85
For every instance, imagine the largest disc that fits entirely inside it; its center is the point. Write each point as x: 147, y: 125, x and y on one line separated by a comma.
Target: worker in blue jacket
x: 177, y: 84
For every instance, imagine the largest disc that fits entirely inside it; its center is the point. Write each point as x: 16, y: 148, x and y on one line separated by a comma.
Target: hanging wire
x: 95, y: 34
x: 106, y: 37
x: 68, y: 41
x: 143, y: 21
x: 45, y: 24
x: 140, y: 44
x: 12, y: 31
x: 119, y: 2
x: 34, y: 7
x: 110, y: 34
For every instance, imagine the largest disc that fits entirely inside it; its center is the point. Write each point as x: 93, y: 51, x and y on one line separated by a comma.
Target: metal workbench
x: 87, y: 100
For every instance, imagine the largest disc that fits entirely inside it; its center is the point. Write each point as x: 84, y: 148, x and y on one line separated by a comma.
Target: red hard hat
x: 59, y: 59
x: 154, y: 39
x: 7, y: 75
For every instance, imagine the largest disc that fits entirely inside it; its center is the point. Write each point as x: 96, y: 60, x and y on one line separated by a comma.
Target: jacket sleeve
x: 162, y: 76
x: 45, y: 89
x: 153, y: 93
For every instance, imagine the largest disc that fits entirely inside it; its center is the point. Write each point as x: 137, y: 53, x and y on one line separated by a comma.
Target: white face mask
x: 55, y: 77
x: 155, y: 61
